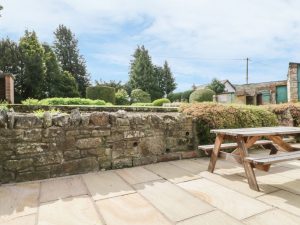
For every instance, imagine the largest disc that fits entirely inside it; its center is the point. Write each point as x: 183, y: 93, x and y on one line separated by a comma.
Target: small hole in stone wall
x: 187, y: 133
x: 135, y: 144
x: 168, y: 150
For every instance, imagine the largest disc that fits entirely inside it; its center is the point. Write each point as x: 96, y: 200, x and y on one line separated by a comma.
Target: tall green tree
x: 67, y: 51
x: 141, y: 73
x: 169, y: 83
x: 159, y: 76
x: 67, y: 86
x: 33, y: 67
x: 217, y: 86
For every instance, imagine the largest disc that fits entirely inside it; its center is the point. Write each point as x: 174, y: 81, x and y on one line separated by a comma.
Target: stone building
x: 6, y: 87
x: 273, y: 92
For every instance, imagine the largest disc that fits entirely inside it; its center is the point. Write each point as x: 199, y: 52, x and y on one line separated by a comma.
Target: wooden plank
x: 215, y: 153
x: 274, y: 158
x: 263, y: 131
x: 280, y: 142
x: 247, y: 165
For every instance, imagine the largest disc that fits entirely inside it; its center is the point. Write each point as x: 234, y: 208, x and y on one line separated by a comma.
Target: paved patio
x: 178, y: 192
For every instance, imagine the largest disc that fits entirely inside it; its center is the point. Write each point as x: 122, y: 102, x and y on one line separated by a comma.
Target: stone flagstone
x: 130, y: 209
x: 273, y: 217
x: 233, y: 203
x: 137, y: 175
x: 77, y: 210
x: 190, y: 165
x: 212, y: 218
x: 23, y: 220
x: 172, y: 201
x: 171, y: 173
x: 284, y: 200
x: 61, y: 188
x: 106, y: 185
x: 18, y: 200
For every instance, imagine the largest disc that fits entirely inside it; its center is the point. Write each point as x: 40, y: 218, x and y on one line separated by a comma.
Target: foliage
x: 122, y: 97
x: 30, y: 101
x: 138, y: 95
x: 101, y: 92
x: 67, y: 51
x: 67, y: 86
x: 3, y: 105
x: 175, y: 97
x: 158, y: 89
x: 217, y: 116
x: 169, y: 84
x: 160, y: 102
x: 117, y: 85
x: 70, y: 101
x: 216, y: 86
x: 202, y: 95
x: 1, y: 7
x: 33, y: 66
x: 40, y: 112
x: 185, y: 96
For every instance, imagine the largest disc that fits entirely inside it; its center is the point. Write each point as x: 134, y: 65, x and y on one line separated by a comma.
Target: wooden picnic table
x: 245, y: 138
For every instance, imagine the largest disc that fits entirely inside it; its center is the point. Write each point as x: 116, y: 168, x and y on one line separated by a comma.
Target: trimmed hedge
x: 202, y: 95
x: 104, y: 93
x: 63, y: 101
x: 142, y: 104
x: 217, y: 116
x: 160, y: 102
x: 138, y: 95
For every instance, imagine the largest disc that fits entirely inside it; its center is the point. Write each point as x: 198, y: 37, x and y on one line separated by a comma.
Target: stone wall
x: 38, y: 148
x: 292, y: 82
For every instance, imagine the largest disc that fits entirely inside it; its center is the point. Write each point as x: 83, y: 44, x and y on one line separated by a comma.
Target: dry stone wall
x: 56, y: 145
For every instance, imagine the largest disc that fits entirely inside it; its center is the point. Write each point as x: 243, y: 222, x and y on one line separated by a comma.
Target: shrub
x: 122, y: 97
x: 30, y: 101
x: 101, y: 92
x: 70, y: 101
x: 202, y: 95
x: 138, y: 95
x: 185, y: 96
x: 160, y: 102
x: 217, y: 116
x: 175, y: 97
x: 142, y: 104
x: 3, y: 105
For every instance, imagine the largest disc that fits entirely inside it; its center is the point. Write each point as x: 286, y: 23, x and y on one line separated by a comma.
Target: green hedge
x: 217, y: 116
x: 104, y: 93
x: 142, y: 104
x: 160, y: 102
x: 63, y: 101
x: 202, y: 95
x: 138, y: 95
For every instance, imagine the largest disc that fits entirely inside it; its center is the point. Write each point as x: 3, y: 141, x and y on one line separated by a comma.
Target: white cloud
x: 260, y: 29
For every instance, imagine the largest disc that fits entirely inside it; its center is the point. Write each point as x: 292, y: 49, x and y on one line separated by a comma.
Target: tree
x: 32, y: 66
x: 138, y: 95
x: 142, y: 73
x: 168, y: 79
x: 117, y: 85
x: 160, y: 87
x: 216, y: 86
x: 67, y: 86
x: 67, y: 51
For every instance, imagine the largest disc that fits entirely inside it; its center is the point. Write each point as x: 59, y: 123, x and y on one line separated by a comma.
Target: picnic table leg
x: 215, y: 153
x: 247, y: 165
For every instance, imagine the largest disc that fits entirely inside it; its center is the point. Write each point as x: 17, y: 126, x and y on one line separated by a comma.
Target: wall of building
x: 39, y: 148
x: 9, y: 89
x: 292, y: 82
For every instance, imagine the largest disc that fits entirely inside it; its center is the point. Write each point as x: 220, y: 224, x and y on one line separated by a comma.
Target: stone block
x: 99, y: 119
x: 87, y: 143
x: 122, y: 122
x: 48, y: 158
x: 34, y: 135
x: 35, y: 175
x: 30, y: 148
x: 133, y: 134
x: 168, y: 157
x: 61, y: 120
x: 122, y: 163
x: 18, y: 165
x: 100, y: 133
x: 73, y: 154
x: 140, y: 161
x: 27, y: 121
x: 75, y: 117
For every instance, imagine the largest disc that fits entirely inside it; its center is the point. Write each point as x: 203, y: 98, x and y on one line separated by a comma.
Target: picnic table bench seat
x: 270, y: 159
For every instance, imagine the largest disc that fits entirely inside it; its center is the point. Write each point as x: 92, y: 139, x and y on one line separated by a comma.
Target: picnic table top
x: 259, y: 131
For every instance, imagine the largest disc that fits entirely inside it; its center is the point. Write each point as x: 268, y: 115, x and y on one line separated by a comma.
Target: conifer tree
x: 168, y: 79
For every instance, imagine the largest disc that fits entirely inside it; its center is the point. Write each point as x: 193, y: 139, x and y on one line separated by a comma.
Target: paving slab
x: 284, y: 200
x: 62, y: 188
x: 18, y: 200
x: 106, y: 185
x: 233, y: 203
x: 23, y: 220
x: 172, y: 201
x: 273, y: 217
x: 77, y: 210
x: 190, y: 165
x: 238, y: 183
x: 172, y: 173
x: 130, y: 209
x: 211, y: 218
x: 137, y: 175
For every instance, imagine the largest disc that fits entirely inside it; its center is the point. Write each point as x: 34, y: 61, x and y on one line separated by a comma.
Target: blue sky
x: 201, y: 39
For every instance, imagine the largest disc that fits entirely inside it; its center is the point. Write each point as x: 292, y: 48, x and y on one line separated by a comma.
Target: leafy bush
x: 122, y: 97
x: 175, y: 97
x: 70, y: 101
x: 185, y: 96
x: 138, y: 95
x: 217, y: 116
x: 160, y: 102
x: 101, y: 92
x: 3, y: 105
x: 30, y: 101
x: 142, y: 104
x: 286, y: 113
x: 202, y: 95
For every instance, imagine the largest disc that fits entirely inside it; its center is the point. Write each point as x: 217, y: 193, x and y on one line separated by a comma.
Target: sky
x: 201, y: 39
